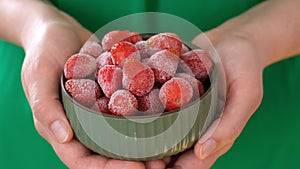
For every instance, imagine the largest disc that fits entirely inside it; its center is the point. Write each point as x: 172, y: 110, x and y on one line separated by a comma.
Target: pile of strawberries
x: 127, y: 75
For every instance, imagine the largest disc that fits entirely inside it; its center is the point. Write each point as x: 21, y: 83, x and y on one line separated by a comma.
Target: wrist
x: 43, y: 16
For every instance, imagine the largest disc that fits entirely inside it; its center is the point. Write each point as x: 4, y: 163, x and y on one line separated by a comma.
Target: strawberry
x: 198, y: 88
x: 175, y: 93
x: 137, y: 77
x: 101, y: 105
x: 79, y: 66
x: 116, y: 36
x: 164, y: 41
x: 123, y: 103
x: 84, y: 91
x: 122, y: 51
x: 104, y: 59
x: 91, y: 48
x: 197, y: 62
x: 150, y: 103
x: 110, y: 79
x: 164, y: 65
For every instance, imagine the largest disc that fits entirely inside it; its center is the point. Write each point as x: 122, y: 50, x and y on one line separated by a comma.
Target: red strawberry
x: 101, y: 105
x: 197, y: 62
x: 176, y: 93
x: 122, y: 51
x: 150, y: 103
x: 164, y: 41
x: 79, y: 66
x: 91, y: 48
x: 84, y: 91
x: 137, y: 77
x: 198, y: 88
x: 116, y: 36
x: 104, y: 59
x: 164, y: 65
x: 110, y: 79
x: 133, y: 37
x: 123, y: 103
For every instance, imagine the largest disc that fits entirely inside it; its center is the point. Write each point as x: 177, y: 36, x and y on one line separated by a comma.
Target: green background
x: 270, y: 140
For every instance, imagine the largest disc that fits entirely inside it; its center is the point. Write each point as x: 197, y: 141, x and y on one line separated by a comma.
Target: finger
x: 190, y: 161
x: 167, y: 160
x: 240, y: 105
x: 42, y: 90
x: 155, y: 164
x: 113, y: 164
x: 76, y: 156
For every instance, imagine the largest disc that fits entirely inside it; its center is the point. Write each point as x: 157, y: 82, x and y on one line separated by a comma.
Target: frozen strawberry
x: 122, y: 51
x: 141, y: 47
x: 176, y: 93
x: 164, y: 41
x: 197, y: 62
x: 133, y: 37
x: 150, y: 103
x: 91, y: 48
x: 116, y: 36
x: 123, y: 103
x: 137, y: 77
x: 104, y: 59
x: 79, y: 66
x: 198, y: 88
x: 110, y: 79
x: 184, y: 49
x: 164, y: 65
x: 84, y: 91
x: 101, y: 105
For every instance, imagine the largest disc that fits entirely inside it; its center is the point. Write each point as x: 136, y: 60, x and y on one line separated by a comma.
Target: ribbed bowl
x: 141, y: 138
x: 138, y: 138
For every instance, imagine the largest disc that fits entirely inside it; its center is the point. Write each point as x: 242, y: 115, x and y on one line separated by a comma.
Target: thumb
x: 240, y: 105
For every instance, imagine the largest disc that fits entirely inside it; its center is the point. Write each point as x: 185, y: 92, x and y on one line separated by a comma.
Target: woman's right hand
x: 51, y: 39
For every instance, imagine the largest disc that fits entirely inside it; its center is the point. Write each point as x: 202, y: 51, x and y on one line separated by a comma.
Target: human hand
x: 243, y: 69
x: 55, y: 38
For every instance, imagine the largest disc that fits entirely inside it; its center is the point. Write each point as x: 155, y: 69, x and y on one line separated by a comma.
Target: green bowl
x: 141, y: 138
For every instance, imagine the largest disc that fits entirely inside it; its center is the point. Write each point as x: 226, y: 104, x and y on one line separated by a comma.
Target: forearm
x: 22, y: 19
x: 273, y: 26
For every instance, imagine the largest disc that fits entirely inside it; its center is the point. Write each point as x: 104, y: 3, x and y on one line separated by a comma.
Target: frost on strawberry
x: 176, y: 93
x: 84, y: 91
x: 91, y: 48
x: 80, y: 66
x: 197, y: 62
x: 137, y: 77
x: 122, y: 51
x: 164, y: 65
x: 123, y: 103
x: 116, y: 36
x: 164, y: 41
x: 110, y: 79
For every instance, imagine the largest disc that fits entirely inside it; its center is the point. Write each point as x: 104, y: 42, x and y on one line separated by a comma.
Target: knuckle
x: 233, y: 134
x: 39, y: 109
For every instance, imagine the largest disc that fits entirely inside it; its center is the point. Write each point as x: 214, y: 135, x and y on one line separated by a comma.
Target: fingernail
x: 207, y: 148
x: 60, y: 130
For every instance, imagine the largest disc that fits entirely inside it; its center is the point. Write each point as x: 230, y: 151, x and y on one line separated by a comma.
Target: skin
x: 246, y: 45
